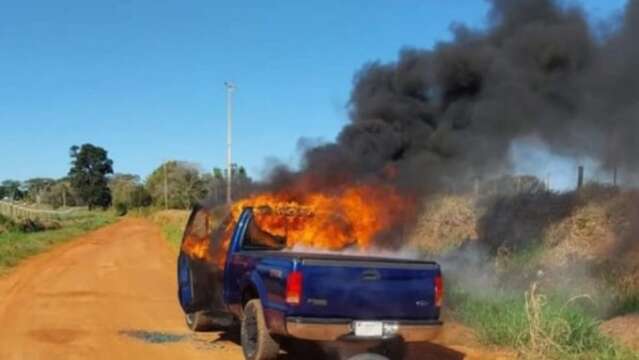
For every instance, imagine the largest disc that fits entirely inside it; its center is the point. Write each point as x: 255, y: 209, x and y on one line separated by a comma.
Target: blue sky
x: 145, y: 78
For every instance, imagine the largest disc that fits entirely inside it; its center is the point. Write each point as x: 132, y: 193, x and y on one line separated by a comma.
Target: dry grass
x: 571, y: 243
x: 446, y: 222
x: 171, y: 217
x: 589, y: 231
x: 592, y: 231
x: 595, y: 227
x: 541, y: 337
x: 172, y: 223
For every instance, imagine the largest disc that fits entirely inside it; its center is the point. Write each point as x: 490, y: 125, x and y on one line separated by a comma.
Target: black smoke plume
x: 447, y: 115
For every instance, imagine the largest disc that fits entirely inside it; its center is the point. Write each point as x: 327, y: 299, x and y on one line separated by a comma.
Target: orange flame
x: 196, y: 239
x: 349, y: 216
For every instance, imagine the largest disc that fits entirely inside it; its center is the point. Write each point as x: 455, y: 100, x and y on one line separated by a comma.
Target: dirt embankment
x: 111, y: 295
x: 624, y: 329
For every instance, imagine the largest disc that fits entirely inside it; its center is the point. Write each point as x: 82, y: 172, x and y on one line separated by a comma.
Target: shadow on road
x: 431, y: 351
x: 391, y: 350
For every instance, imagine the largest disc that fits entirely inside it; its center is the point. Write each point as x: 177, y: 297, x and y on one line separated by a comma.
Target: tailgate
x: 368, y: 289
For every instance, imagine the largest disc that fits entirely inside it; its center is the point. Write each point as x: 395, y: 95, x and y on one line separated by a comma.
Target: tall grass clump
x: 536, y: 325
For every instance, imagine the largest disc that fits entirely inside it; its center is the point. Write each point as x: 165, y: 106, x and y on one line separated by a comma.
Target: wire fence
x: 16, y: 212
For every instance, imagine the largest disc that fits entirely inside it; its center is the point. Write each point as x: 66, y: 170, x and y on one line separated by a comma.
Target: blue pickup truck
x: 279, y: 296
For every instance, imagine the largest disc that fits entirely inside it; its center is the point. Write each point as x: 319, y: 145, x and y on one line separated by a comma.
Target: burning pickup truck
x: 280, y: 295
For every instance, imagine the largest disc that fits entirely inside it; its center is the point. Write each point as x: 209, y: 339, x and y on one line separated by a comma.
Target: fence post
x: 547, y: 182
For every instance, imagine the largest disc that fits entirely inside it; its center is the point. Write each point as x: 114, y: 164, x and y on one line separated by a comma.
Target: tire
x: 257, y: 343
x: 198, y: 321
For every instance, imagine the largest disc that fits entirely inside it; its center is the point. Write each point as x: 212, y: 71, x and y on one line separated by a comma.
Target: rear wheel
x: 257, y: 342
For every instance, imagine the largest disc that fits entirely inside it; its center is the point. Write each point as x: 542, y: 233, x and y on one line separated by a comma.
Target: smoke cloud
x: 450, y: 114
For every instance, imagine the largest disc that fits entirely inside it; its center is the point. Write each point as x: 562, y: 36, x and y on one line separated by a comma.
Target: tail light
x: 439, y: 290
x: 294, y: 288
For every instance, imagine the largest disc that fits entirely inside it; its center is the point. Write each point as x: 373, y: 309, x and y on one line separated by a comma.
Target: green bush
x: 121, y: 209
x: 6, y: 223
x: 31, y: 225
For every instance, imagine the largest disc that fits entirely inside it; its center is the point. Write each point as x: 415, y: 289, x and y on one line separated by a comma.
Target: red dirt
x: 624, y: 330
x: 111, y: 294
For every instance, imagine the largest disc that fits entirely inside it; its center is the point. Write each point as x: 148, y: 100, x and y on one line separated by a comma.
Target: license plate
x: 368, y: 328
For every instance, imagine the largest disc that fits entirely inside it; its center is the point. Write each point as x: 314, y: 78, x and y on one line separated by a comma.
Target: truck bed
x: 351, y: 287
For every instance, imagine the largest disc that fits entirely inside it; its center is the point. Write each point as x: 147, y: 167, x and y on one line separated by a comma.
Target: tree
x: 128, y: 192
x: 184, y: 184
x: 37, y: 187
x: 61, y: 194
x: 216, y: 184
x: 89, y: 169
x: 12, y: 189
x: 242, y: 183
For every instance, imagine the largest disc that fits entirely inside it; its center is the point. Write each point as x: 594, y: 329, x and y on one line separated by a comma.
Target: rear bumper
x: 342, y: 329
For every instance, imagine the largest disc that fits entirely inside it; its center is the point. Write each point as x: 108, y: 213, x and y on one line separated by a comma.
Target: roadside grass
x: 172, y: 223
x: 16, y: 245
x: 173, y: 234
x: 537, y: 326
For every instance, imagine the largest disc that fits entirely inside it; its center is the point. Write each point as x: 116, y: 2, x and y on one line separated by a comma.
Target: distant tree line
x: 91, y: 182
x: 184, y: 184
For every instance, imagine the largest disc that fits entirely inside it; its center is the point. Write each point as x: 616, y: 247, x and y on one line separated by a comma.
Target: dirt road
x: 111, y: 295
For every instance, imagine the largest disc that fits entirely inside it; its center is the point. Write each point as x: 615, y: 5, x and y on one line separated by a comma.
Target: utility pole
x: 230, y: 88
